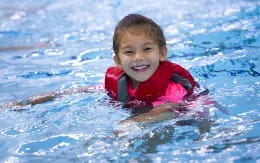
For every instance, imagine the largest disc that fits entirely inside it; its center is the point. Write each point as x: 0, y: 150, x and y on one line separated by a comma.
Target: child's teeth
x: 140, y: 67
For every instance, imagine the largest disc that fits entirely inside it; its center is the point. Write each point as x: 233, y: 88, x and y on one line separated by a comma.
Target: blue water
x: 58, y: 44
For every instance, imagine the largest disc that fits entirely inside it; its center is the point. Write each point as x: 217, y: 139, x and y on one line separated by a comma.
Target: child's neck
x: 134, y: 83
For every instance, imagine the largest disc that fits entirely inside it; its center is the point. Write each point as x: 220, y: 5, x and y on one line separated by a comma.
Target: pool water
x: 59, y: 44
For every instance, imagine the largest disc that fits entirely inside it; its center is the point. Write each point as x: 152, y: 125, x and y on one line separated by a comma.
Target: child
x: 142, y: 73
x: 142, y: 76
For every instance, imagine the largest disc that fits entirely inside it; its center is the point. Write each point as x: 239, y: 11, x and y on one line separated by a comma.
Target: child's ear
x: 163, y: 54
x: 117, y: 61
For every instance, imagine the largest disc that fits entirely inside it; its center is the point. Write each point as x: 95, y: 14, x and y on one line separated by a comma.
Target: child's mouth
x: 140, y: 67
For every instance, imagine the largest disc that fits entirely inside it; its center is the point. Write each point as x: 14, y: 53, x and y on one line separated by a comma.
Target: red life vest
x: 151, y: 89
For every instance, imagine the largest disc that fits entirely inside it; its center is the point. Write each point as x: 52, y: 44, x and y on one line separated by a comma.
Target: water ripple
x: 41, y: 74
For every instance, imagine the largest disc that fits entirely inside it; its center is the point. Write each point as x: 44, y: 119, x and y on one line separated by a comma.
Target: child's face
x: 139, y: 55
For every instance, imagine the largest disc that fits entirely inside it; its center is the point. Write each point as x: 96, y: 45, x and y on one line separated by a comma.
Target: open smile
x: 140, y: 67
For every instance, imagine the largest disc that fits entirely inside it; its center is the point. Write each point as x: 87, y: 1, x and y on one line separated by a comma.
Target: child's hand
x: 126, y: 127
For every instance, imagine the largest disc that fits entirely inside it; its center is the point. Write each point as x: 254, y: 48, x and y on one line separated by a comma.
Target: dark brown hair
x: 135, y: 20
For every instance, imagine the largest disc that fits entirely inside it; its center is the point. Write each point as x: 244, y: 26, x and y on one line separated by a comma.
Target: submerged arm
x: 162, y: 112
x: 45, y: 97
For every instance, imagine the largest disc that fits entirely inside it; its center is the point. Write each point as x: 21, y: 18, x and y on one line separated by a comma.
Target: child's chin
x: 142, y: 79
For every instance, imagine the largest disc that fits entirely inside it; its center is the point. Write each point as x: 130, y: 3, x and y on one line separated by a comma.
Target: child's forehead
x: 137, y: 30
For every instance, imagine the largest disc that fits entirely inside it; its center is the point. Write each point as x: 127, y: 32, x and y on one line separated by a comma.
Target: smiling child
x: 142, y: 75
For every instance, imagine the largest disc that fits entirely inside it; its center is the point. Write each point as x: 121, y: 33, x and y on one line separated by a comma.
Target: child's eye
x: 147, y: 49
x: 129, y: 52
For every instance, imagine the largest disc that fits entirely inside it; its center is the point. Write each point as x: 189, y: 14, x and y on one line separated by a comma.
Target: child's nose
x: 138, y: 55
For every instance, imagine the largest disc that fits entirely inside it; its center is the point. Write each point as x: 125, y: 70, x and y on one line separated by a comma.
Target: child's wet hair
x: 136, y: 20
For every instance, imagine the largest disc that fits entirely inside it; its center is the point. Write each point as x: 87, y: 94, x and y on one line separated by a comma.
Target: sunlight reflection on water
x: 51, y: 45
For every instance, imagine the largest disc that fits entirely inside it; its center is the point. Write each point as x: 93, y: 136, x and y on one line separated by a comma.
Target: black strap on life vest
x: 183, y: 81
x: 122, y: 89
x: 187, y: 84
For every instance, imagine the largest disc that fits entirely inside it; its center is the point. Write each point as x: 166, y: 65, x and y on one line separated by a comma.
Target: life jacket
x: 116, y: 83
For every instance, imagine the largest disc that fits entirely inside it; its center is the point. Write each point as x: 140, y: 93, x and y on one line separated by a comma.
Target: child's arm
x: 162, y: 112
x: 45, y: 97
x: 158, y: 113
